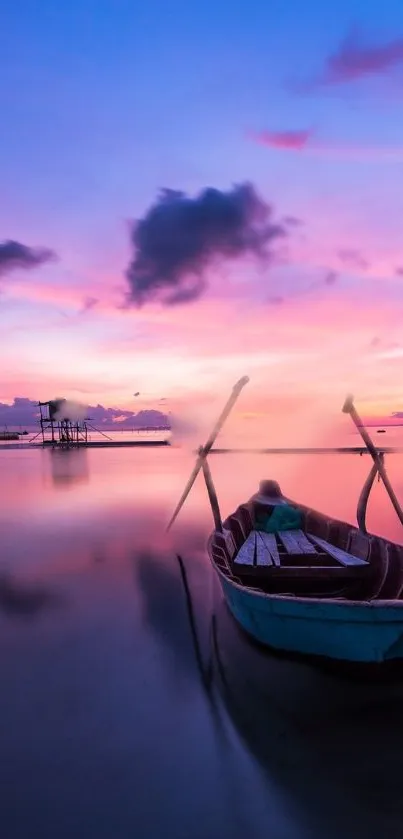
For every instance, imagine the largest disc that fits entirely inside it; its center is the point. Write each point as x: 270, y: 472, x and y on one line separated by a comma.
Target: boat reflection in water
x: 333, y: 742
x: 329, y: 745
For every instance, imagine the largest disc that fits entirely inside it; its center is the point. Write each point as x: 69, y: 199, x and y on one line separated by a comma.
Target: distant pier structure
x: 58, y: 429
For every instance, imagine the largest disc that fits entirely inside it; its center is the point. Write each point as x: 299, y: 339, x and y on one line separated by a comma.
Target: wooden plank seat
x: 341, y: 556
x: 263, y: 553
x: 260, y: 549
x: 295, y: 542
x: 247, y: 552
x: 266, y: 549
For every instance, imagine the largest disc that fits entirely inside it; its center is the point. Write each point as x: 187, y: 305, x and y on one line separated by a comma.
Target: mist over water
x: 106, y: 728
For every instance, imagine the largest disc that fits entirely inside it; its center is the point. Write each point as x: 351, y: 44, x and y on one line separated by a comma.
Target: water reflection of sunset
x: 147, y: 483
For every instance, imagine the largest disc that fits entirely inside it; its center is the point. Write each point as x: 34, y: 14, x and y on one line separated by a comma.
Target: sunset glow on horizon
x: 278, y: 252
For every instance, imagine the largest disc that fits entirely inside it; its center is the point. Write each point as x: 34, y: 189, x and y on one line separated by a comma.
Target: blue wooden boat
x: 325, y: 589
x: 298, y: 581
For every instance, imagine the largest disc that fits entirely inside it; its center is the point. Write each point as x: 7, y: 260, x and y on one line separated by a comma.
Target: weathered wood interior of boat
x: 325, y: 557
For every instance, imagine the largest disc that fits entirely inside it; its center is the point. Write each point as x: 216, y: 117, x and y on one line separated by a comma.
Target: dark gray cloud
x: 180, y: 237
x: 115, y: 418
x: 22, y: 411
x: 14, y: 255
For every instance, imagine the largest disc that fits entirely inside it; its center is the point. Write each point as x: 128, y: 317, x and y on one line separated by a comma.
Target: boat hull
x: 369, y: 632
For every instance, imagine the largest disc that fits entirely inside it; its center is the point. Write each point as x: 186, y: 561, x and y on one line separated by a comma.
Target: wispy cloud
x: 89, y: 303
x: 61, y: 296
x: 14, y: 255
x: 305, y: 141
x: 352, y: 257
x: 354, y: 59
x: 292, y: 139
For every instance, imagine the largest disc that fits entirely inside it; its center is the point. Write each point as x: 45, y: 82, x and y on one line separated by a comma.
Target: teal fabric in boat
x: 283, y: 517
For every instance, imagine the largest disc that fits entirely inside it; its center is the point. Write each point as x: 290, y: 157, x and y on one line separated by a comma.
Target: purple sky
x: 105, y: 103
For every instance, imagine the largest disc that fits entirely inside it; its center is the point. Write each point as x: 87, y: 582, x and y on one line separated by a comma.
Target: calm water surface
x: 105, y: 727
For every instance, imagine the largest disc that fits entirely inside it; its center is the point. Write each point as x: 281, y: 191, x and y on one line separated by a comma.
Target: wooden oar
x: 204, y: 450
x: 215, y: 507
x: 364, y: 497
x: 348, y: 408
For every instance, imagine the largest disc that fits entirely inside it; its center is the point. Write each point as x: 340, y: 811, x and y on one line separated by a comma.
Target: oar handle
x: 349, y: 408
x: 240, y: 384
x: 224, y: 414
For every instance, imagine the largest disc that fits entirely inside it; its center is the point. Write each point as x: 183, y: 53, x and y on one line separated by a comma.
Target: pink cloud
x: 303, y: 141
x: 353, y: 257
x: 354, y: 60
x: 293, y: 140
